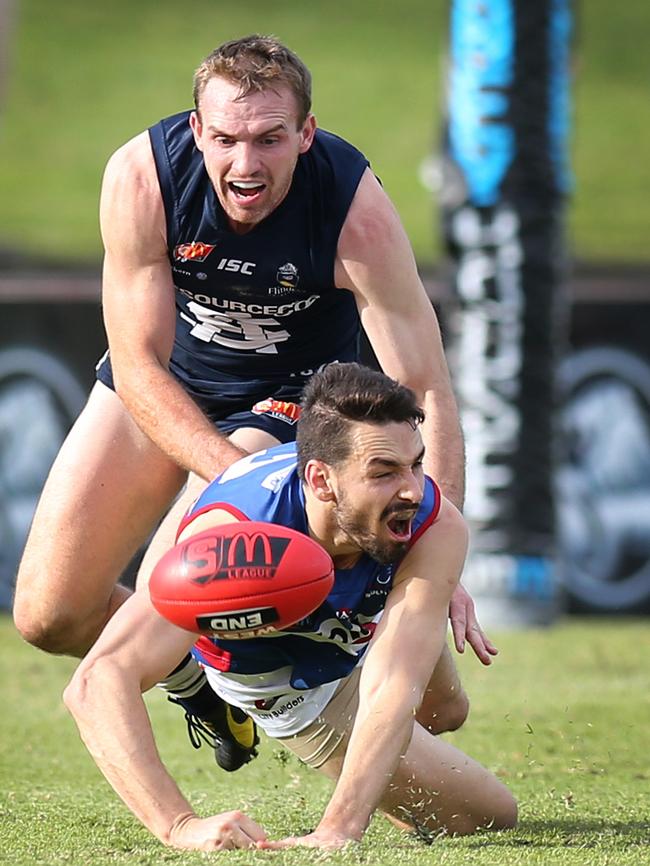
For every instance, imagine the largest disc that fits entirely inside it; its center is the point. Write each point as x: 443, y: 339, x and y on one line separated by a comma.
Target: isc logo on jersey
x: 282, y: 410
x: 236, y: 266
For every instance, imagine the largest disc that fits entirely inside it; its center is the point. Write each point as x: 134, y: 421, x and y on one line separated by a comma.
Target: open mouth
x: 399, y: 526
x: 246, y: 190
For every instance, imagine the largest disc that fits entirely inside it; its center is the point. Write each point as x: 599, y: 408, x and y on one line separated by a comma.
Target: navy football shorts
x: 269, y: 405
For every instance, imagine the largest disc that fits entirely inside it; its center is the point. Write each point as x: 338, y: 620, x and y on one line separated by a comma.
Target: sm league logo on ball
x: 246, y: 555
x: 241, y: 580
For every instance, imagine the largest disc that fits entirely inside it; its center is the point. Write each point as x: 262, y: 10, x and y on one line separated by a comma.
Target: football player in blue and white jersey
x: 343, y: 689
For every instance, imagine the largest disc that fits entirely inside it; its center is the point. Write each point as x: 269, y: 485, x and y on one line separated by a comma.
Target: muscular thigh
x: 323, y: 743
x: 252, y: 439
x: 106, y: 490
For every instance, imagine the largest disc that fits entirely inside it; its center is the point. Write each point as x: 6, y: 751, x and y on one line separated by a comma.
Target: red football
x: 241, y: 579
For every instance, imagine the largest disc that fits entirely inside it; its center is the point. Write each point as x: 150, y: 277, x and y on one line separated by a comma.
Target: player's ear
x: 318, y: 476
x: 197, y: 128
x: 307, y: 133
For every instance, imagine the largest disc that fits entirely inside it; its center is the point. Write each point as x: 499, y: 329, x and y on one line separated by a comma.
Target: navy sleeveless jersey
x: 329, y: 643
x: 262, y: 305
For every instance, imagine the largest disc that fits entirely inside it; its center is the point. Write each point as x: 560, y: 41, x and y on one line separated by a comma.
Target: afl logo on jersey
x: 196, y: 251
x: 287, y: 276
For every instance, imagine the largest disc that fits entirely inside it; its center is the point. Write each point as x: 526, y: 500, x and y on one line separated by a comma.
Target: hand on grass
x: 326, y: 839
x: 219, y: 832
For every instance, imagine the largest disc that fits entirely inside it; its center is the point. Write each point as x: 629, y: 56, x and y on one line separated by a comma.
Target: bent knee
x: 456, y: 713
x: 506, y: 810
x: 52, y: 635
x: 502, y: 815
x: 448, y: 715
x: 56, y: 632
x: 62, y: 625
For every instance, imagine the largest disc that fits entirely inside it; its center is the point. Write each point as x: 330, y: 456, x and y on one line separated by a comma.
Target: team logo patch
x: 287, y: 276
x: 196, y: 251
x: 282, y: 410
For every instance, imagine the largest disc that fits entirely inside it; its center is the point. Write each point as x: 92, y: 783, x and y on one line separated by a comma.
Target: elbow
x: 83, y: 694
x: 76, y: 693
x: 126, y: 382
x: 132, y: 369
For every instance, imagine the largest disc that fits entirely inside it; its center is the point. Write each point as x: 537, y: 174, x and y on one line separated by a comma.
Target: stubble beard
x: 352, y: 523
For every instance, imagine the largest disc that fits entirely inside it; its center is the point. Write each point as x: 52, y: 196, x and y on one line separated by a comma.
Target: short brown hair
x: 339, y: 395
x: 257, y: 63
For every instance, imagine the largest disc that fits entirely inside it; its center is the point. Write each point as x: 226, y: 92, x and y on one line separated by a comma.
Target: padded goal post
x: 504, y: 187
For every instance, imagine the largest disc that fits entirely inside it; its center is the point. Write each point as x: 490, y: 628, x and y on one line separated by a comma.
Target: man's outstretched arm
x: 136, y: 649
x: 401, y: 657
x: 375, y: 261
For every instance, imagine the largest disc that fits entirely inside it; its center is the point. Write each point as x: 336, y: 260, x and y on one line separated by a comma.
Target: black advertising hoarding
x: 51, y: 336
x: 603, y: 471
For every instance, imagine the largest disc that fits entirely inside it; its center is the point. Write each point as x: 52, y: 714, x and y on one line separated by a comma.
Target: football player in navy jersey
x: 244, y: 248
x: 356, y: 484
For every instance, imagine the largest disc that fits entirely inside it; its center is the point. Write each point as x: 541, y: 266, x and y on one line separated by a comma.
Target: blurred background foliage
x: 84, y: 77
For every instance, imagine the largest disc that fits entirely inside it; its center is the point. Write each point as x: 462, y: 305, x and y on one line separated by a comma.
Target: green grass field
x: 85, y: 77
x: 562, y: 717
